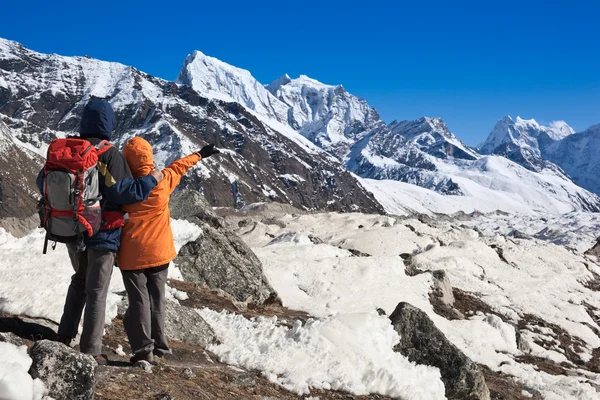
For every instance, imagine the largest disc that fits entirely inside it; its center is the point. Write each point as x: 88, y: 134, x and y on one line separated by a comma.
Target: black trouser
x: 145, y: 317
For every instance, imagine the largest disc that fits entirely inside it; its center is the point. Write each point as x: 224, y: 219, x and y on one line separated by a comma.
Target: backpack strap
x: 103, y: 147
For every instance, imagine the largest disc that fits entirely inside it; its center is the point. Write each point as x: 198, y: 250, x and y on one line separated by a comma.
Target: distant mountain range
x: 296, y: 141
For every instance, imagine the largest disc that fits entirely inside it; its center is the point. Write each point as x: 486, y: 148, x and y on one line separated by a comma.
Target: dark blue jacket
x: 117, y: 185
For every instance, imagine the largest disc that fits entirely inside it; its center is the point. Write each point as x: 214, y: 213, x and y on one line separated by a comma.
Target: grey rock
x: 145, y: 365
x: 422, y: 342
x: 185, y: 324
x: 274, y: 221
x: 66, y: 373
x: 218, y: 259
x: 9, y: 337
x: 442, y: 288
x: 182, y: 323
x: 245, y: 380
x: 188, y: 373
x: 315, y: 239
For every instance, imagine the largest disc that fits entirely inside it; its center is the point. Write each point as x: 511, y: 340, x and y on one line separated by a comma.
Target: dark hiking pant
x: 144, y: 320
x: 89, y: 287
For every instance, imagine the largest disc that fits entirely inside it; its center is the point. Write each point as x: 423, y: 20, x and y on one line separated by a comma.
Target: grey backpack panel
x: 60, y: 189
x: 64, y: 227
x: 91, y: 190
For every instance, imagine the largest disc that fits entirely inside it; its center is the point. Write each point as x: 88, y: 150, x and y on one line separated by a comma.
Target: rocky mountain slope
x: 18, y: 170
x: 41, y: 97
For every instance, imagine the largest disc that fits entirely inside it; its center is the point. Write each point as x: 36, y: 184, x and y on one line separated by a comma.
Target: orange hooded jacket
x: 147, y: 239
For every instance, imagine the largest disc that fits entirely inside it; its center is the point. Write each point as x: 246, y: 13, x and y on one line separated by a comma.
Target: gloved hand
x: 208, y: 151
x: 158, y: 175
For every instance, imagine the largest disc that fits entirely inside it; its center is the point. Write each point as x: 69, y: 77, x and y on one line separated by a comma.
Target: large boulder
x: 66, y: 373
x: 423, y: 343
x: 218, y: 259
x: 185, y: 324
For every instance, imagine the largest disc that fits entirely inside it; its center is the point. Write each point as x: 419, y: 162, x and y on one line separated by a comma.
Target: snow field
x: 540, y: 278
x: 36, y: 285
x: 350, y: 352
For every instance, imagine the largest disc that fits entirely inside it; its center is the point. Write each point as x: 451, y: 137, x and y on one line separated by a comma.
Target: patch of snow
x: 351, y: 352
x: 15, y: 381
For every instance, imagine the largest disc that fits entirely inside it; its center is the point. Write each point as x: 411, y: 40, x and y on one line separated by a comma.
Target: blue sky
x: 468, y: 62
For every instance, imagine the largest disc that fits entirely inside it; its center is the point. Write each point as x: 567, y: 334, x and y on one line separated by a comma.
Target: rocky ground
x: 192, y: 372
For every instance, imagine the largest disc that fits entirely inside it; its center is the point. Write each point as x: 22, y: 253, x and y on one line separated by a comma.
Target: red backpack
x: 71, y: 205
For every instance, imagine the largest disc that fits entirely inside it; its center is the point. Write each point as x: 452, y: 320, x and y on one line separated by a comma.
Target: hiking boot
x: 142, y: 356
x: 64, y: 340
x: 101, y: 359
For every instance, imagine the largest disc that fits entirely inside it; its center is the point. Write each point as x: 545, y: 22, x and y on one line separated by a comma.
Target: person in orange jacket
x: 147, y: 248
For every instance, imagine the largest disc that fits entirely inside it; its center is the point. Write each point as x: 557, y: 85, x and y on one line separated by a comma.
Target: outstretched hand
x: 158, y: 175
x: 208, y: 151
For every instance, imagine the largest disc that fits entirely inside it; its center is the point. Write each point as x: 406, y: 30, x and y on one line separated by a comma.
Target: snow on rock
x: 15, y: 381
x: 351, y: 352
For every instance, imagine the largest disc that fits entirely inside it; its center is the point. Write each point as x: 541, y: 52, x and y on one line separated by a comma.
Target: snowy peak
x: 559, y: 130
x: 521, y: 140
x: 523, y: 133
x: 277, y: 83
x: 327, y: 115
x: 216, y: 79
x: 432, y: 136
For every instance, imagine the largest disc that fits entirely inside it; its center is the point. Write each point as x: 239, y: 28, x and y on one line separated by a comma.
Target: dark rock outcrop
x: 218, y: 259
x: 18, y: 170
x: 66, y: 373
x: 422, y: 342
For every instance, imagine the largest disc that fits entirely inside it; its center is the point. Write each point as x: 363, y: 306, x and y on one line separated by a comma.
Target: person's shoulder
x: 109, y: 153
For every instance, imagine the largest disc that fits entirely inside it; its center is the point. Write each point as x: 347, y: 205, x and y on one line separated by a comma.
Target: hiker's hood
x: 138, y: 153
x: 98, y: 119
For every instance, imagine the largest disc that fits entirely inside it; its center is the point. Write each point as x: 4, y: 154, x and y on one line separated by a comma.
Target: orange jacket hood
x: 138, y: 154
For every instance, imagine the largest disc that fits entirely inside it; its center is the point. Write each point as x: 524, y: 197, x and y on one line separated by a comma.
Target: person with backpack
x: 147, y: 248
x: 84, y: 184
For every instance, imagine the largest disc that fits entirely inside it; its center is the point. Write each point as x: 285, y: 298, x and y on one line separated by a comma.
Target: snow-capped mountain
x: 577, y: 154
x: 555, y: 148
x: 215, y: 79
x: 520, y: 140
x: 432, y: 136
x: 327, y: 115
x: 42, y: 96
